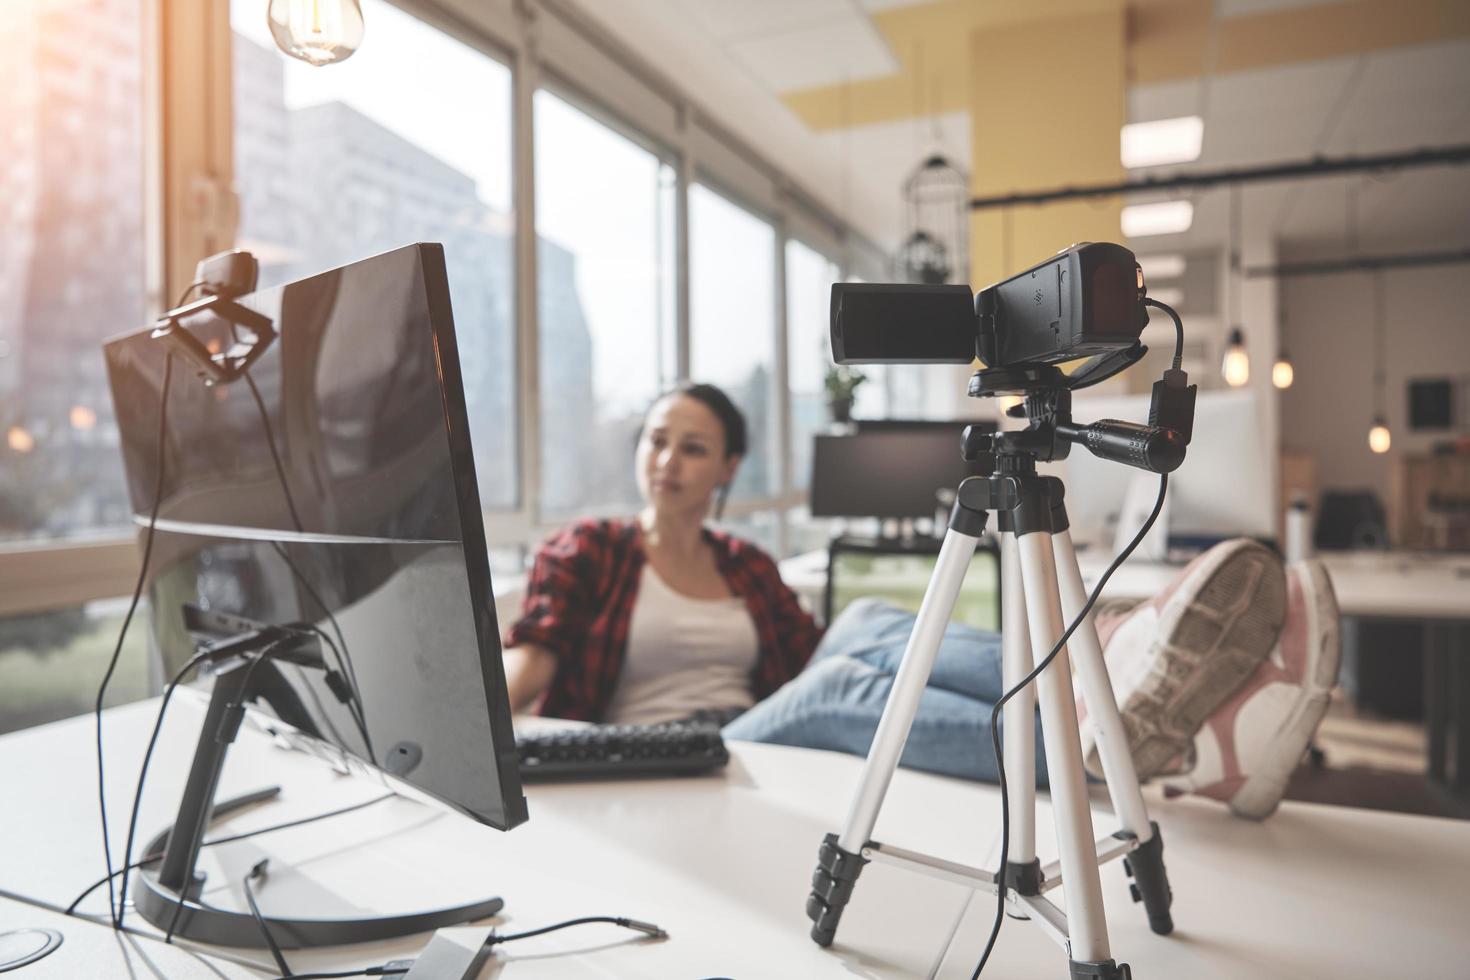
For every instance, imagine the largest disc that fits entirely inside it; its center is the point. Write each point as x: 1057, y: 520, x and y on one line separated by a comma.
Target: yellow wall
x: 1042, y: 121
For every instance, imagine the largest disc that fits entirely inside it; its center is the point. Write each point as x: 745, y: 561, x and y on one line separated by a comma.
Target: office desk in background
x: 724, y: 862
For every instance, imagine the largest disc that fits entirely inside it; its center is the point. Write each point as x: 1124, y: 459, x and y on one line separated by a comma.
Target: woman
x: 659, y: 618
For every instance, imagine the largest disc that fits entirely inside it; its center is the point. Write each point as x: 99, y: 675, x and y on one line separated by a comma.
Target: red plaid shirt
x: 579, y: 605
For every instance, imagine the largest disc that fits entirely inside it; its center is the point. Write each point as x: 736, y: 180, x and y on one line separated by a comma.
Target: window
x: 732, y: 286
x: 605, y: 260
x: 50, y: 662
x: 409, y: 140
x: 809, y: 279
x: 71, y: 271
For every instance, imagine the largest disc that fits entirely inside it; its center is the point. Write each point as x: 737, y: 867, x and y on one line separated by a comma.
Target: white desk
x: 91, y: 949
x: 724, y: 862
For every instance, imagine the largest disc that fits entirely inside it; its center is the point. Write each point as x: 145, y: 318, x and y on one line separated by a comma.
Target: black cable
x: 122, y: 635
x: 258, y: 871
x: 344, y: 659
x: 371, y: 971
x: 647, y: 928
x: 1178, y: 330
x: 1005, y: 815
x: 157, y: 856
x: 168, y: 692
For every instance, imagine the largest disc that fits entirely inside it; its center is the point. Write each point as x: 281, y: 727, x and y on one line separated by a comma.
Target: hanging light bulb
x: 319, y: 32
x: 1379, y: 438
x: 1282, y: 373
x: 1236, y: 365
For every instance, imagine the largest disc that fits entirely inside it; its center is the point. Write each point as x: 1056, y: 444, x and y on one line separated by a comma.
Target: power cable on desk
x: 386, y: 969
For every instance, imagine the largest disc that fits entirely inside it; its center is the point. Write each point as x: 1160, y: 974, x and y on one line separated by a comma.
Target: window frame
x: 191, y: 210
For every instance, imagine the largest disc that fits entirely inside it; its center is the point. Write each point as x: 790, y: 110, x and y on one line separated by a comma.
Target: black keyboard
x: 679, y: 748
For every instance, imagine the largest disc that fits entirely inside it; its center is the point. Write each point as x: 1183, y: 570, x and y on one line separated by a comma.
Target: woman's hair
x: 732, y: 421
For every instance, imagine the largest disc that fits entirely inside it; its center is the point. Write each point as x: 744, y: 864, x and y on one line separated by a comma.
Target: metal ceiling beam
x: 1365, y: 263
x: 1318, y: 166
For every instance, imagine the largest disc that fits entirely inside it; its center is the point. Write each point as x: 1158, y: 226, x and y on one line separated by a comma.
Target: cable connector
x: 1172, y: 406
x: 647, y: 928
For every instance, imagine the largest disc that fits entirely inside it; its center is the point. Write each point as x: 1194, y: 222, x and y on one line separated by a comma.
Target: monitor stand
x: 171, y: 897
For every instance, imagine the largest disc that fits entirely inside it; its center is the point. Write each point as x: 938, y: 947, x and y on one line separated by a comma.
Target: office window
x: 809, y: 279
x: 51, y: 662
x: 407, y: 141
x: 732, y: 285
x: 72, y: 251
x: 605, y: 236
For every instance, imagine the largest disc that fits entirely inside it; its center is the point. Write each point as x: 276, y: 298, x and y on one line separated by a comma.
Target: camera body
x: 1085, y: 301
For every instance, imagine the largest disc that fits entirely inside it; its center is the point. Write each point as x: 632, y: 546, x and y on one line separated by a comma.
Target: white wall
x: 1329, y: 332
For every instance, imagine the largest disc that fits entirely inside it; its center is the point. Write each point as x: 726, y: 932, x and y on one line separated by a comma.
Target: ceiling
x: 736, y: 61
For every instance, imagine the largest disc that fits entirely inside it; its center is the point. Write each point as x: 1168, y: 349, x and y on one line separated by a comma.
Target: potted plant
x: 842, y: 382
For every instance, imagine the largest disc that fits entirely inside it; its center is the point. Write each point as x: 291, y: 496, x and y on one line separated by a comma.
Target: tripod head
x: 1051, y: 433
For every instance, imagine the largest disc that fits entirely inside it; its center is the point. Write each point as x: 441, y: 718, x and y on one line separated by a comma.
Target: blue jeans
x: 835, y: 703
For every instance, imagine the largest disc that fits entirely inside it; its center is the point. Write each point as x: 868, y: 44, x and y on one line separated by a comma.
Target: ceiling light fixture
x: 1379, y: 438
x: 1162, y: 141
x: 1164, y: 266
x: 1159, y: 218
x: 1282, y: 373
x: 1236, y: 364
x: 318, y: 32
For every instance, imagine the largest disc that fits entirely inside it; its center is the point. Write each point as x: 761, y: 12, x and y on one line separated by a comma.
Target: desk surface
x: 91, y: 949
x: 723, y: 864
x: 1386, y: 584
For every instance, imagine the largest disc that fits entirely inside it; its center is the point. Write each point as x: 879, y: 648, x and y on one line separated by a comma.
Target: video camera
x: 1087, y: 303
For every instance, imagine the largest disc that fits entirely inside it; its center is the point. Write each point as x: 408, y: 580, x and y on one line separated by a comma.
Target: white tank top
x: 684, y: 655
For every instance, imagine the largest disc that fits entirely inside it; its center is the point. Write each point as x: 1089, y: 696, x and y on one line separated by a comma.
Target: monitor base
x: 188, y: 916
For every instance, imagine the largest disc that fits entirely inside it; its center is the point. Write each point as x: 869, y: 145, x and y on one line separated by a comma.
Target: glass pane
x: 406, y: 141
x: 732, y: 309
x: 605, y: 250
x: 72, y: 243
x: 809, y: 279
x: 51, y: 662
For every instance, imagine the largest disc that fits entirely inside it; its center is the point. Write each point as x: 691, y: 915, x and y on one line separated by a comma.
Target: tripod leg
x: 839, y: 859
x: 1151, y: 884
x: 1086, y: 922
x: 1019, y: 747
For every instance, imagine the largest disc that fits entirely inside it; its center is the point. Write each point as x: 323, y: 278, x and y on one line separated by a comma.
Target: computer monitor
x: 333, y: 485
x: 890, y: 468
x: 1224, y: 487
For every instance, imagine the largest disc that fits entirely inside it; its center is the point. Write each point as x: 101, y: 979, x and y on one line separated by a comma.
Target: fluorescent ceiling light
x: 1163, y: 218
x: 1161, y: 266
x: 1152, y: 144
x: 1168, y: 295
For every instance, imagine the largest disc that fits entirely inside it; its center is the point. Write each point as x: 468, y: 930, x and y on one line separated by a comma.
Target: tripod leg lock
x: 837, y: 871
x: 1145, y: 865
x: 1104, y: 970
x: 1024, y: 879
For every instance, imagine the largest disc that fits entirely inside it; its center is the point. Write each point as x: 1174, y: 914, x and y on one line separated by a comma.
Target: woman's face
x: 681, y: 458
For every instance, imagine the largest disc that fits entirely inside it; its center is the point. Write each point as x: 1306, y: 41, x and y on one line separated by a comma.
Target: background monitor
x: 890, y: 468
x: 1431, y: 403
x: 340, y: 491
x: 1224, y: 488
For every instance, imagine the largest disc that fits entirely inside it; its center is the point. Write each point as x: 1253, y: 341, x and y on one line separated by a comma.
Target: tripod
x: 1042, y: 589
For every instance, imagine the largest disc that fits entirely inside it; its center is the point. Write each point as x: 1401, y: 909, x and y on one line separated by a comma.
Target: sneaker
x: 1175, y: 659
x: 1247, y: 751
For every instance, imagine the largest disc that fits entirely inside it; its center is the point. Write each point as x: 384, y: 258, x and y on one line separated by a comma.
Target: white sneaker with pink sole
x: 1247, y: 751
x: 1175, y: 659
